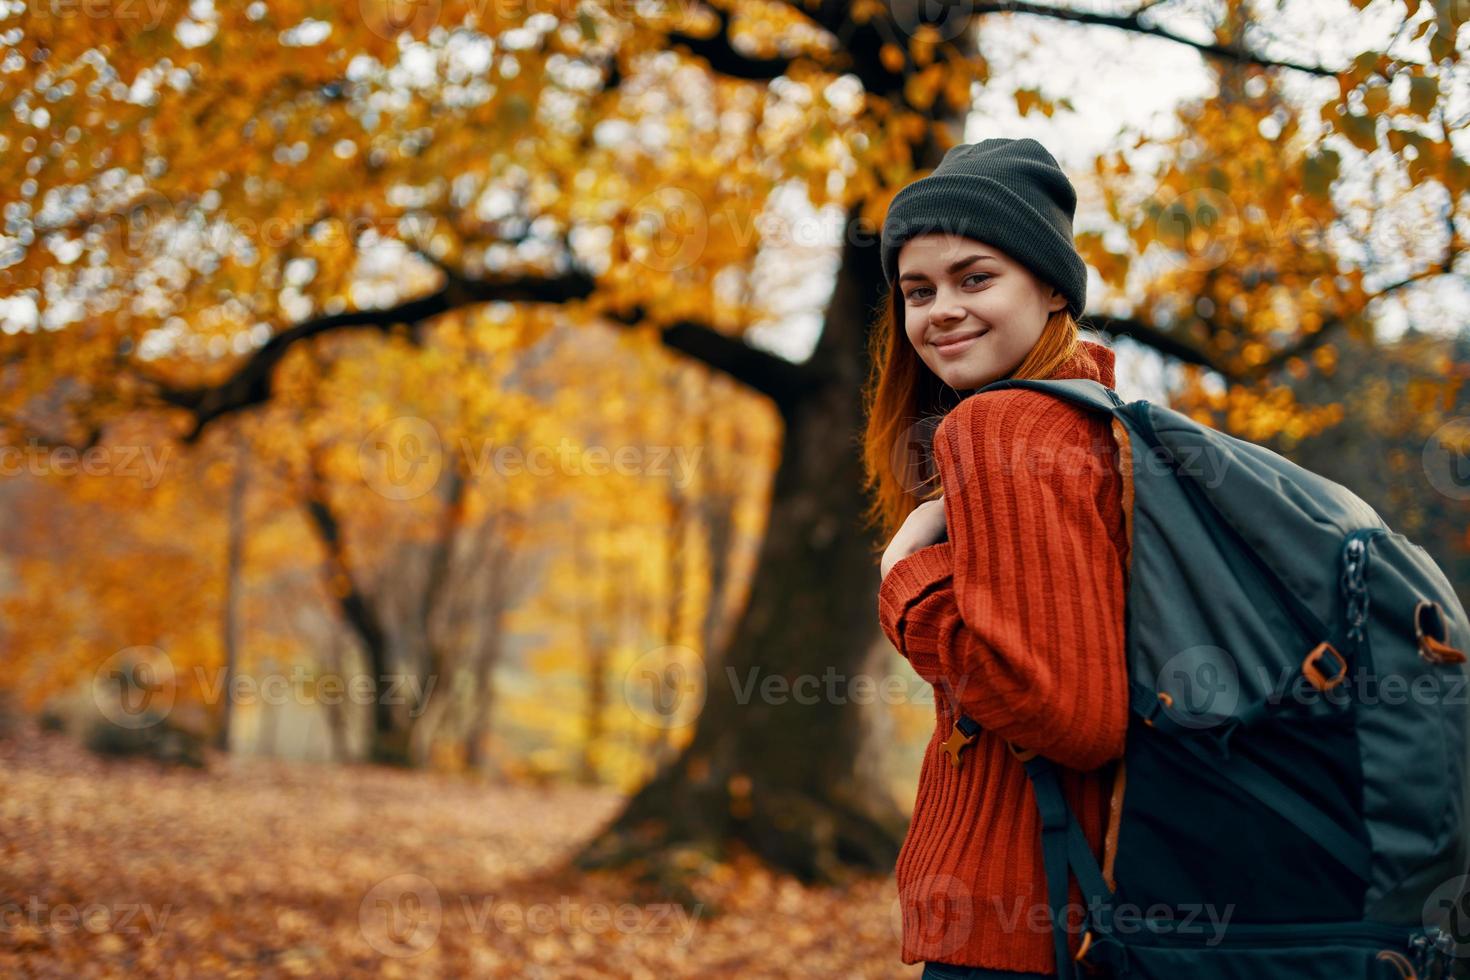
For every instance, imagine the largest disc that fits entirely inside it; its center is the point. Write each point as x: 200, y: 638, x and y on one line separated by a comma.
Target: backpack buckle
x: 1430, y: 632
x: 965, y: 730
x: 1082, y: 950
x: 956, y: 744
x: 1318, y: 679
x: 1167, y: 700
x: 1025, y: 755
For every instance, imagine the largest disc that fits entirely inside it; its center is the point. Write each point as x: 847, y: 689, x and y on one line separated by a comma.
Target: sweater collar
x: 1090, y: 360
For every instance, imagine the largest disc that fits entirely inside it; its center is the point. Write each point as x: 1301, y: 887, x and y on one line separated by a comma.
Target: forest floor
x: 261, y: 868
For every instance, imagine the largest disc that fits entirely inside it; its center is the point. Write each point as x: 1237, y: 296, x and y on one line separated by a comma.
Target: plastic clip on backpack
x: 1297, y: 741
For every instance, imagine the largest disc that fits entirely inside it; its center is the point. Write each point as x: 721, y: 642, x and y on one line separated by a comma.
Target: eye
x: 913, y: 294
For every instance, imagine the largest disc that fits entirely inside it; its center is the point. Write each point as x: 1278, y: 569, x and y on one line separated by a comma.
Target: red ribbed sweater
x: 1018, y: 618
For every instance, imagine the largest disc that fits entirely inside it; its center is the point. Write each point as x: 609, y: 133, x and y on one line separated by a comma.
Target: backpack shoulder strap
x: 1083, y: 391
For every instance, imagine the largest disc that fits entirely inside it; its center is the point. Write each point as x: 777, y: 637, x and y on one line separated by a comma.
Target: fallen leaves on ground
x: 264, y: 868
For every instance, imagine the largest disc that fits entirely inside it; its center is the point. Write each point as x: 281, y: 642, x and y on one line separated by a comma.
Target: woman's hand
x: 924, y: 526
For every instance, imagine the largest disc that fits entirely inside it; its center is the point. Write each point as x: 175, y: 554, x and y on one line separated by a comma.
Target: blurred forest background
x: 464, y: 397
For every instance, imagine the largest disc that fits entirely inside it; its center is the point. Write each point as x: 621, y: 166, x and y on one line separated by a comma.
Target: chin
x: 962, y: 376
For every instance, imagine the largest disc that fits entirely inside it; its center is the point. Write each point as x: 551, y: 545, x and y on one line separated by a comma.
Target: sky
x: 1122, y: 83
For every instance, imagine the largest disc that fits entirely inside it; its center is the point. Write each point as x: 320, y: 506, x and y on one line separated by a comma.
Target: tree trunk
x: 333, y: 710
x: 595, y: 614
x: 781, y: 775
x: 389, y: 743
x: 234, y: 554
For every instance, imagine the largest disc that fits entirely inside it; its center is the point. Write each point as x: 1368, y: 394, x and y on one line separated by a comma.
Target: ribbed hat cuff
x: 985, y: 209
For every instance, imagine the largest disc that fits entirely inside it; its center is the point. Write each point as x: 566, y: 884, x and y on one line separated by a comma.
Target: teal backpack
x: 1295, y: 803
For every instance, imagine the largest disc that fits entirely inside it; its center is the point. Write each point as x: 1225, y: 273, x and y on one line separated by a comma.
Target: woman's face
x: 972, y: 312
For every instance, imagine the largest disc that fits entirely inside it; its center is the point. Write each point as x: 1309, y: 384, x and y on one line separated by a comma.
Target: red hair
x: 903, y: 402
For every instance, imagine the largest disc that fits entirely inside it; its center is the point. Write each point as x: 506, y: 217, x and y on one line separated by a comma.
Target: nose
x: 945, y: 312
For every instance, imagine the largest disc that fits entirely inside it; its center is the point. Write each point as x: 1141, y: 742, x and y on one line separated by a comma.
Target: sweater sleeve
x: 915, y: 585
x: 1019, y: 616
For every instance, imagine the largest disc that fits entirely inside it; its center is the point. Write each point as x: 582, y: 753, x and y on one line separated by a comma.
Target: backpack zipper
x: 1353, y: 581
x: 1353, y: 587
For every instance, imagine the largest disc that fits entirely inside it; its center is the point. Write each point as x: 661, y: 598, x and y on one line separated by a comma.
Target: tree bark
x: 234, y: 560
x: 389, y: 743
x: 778, y: 767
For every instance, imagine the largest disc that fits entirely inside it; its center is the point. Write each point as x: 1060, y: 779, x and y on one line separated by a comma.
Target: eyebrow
x: 954, y: 267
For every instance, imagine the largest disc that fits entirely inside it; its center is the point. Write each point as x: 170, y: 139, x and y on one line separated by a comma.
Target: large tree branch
x: 1167, y: 345
x: 1133, y: 23
x: 722, y: 55
x: 1307, y: 343
x: 1151, y: 336
x: 251, y: 383
x: 859, y: 44
x: 783, y: 381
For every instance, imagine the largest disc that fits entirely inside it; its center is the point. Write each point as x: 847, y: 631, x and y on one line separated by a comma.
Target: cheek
x: 1009, y: 305
x: 913, y: 327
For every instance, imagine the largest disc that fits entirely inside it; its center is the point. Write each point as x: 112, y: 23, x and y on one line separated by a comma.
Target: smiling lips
x: 954, y: 345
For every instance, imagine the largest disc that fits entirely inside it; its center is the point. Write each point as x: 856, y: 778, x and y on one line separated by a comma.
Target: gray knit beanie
x: 1007, y: 193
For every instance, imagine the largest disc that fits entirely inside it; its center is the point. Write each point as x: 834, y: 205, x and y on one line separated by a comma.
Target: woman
x: 1017, y: 618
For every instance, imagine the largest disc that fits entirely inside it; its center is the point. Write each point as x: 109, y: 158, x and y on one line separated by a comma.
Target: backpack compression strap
x: 1062, y: 845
